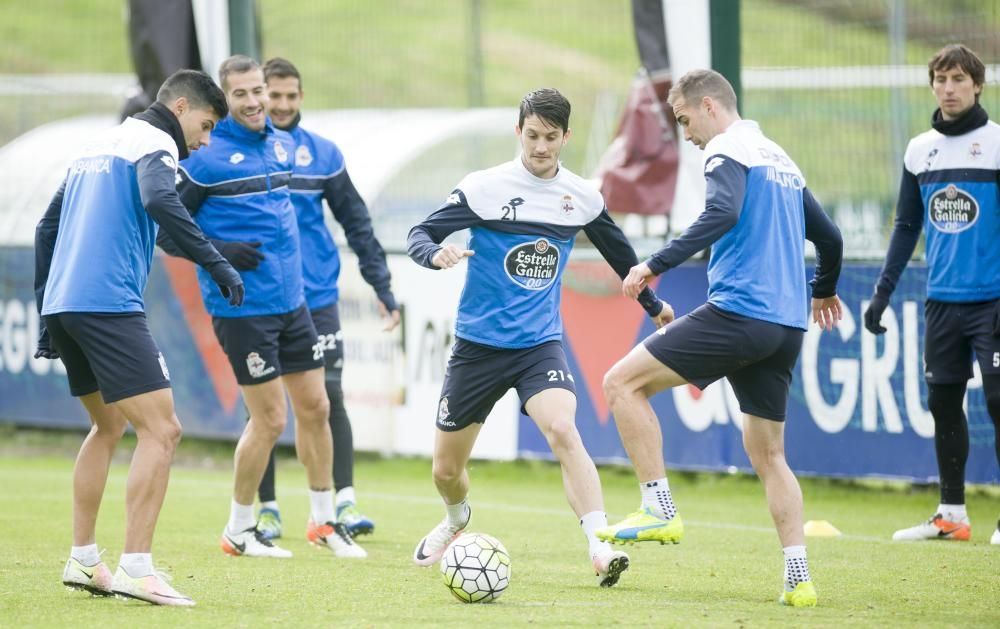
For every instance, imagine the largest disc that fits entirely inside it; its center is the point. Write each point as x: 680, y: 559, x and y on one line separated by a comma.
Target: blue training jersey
x: 522, y: 229
x: 319, y: 173
x: 104, y: 247
x: 953, y: 179
x: 237, y: 190
x: 756, y: 268
x: 758, y: 213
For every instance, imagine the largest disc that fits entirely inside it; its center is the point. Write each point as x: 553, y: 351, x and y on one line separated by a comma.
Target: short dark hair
x: 697, y: 84
x: 957, y: 55
x: 237, y: 64
x: 281, y: 68
x: 197, y: 87
x: 548, y: 104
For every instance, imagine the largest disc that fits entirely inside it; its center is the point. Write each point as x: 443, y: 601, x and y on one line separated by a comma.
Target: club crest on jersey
x: 567, y: 204
x: 302, y: 156
x: 532, y: 265
x: 280, y: 152
x: 975, y: 150
x: 952, y: 210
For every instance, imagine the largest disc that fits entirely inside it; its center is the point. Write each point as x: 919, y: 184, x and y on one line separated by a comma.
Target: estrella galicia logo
x: 952, y: 209
x: 532, y: 265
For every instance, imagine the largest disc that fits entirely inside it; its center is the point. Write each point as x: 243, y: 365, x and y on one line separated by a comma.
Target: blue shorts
x: 262, y: 348
x: 756, y: 356
x: 952, y: 332
x: 478, y: 376
x: 111, y: 353
x: 327, y: 322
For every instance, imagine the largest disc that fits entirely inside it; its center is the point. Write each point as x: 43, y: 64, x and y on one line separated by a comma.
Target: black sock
x: 951, y: 439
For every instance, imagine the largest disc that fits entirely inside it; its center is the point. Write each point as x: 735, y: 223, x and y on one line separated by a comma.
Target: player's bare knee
x: 613, y: 385
x: 562, y: 435
x: 446, y: 473
x: 269, y: 425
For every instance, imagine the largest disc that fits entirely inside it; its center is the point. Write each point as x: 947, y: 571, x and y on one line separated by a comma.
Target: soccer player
x: 949, y: 187
x: 93, y: 253
x: 319, y: 173
x: 523, y: 216
x: 237, y: 190
x: 757, y: 214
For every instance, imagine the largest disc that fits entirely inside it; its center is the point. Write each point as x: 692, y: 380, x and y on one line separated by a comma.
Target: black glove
x: 873, y: 315
x: 229, y: 281
x: 44, y: 347
x: 244, y: 256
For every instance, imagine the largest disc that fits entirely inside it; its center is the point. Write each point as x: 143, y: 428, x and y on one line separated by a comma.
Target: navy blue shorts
x: 478, y: 375
x: 327, y: 322
x: 111, y: 353
x: 262, y: 348
x: 756, y: 356
x: 952, y: 332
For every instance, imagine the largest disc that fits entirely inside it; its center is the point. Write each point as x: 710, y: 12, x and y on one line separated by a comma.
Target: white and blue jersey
x: 237, y: 190
x: 319, y: 173
x: 758, y: 214
x: 522, y: 229
x: 94, y: 246
x: 949, y: 188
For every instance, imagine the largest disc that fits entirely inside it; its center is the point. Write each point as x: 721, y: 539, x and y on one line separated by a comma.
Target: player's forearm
x: 824, y: 234
x: 713, y: 223
x: 905, y: 233
x: 421, y: 247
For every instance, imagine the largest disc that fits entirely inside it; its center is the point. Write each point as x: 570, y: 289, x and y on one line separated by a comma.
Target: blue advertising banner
x: 35, y: 391
x: 857, y: 405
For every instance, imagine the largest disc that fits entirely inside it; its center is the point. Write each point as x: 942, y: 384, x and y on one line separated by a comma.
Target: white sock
x: 656, y: 497
x: 321, y: 506
x: 796, y: 566
x: 137, y: 564
x: 345, y: 495
x: 87, y: 555
x: 270, y: 504
x: 590, y: 522
x: 458, y: 514
x: 953, y: 513
x: 240, y: 518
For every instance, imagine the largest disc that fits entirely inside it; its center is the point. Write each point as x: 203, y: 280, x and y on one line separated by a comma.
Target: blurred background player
x: 523, y: 216
x: 100, y: 228
x: 757, y: 215
x: 949, y: 186
x: 238, y: 192
x: 319, y: 173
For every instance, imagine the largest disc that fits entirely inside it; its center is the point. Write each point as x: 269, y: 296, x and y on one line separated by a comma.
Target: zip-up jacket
x: 237, y: 190
x: 319, y: 173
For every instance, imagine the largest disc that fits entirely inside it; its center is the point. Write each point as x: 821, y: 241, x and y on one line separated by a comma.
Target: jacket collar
x: 163, y: 119
x: 969, y: 121
x: 295, y: 123
x: 235, y: 129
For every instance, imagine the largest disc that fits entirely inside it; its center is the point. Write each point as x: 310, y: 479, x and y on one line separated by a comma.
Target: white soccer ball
x: 476, y: 568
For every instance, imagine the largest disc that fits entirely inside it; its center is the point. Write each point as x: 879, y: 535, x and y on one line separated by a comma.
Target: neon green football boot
x: 643, y: 526
x: 804, y: 595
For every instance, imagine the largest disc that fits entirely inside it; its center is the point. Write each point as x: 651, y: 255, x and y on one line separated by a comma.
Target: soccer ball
x: 476, y: 568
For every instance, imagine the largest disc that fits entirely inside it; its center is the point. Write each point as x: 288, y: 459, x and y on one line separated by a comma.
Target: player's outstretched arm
x: 905, y: 234
x: 423, y: 243
x: 159, y: 196
x: 618, y: 252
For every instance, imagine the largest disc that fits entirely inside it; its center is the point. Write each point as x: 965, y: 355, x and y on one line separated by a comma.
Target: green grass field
x: 726, y: 572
